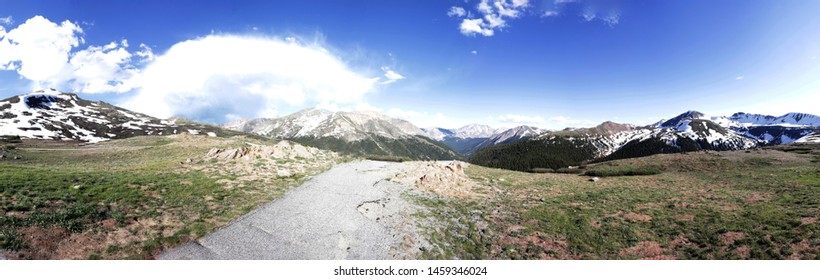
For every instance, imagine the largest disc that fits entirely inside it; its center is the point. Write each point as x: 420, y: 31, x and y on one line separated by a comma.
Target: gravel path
x: 348, y: 212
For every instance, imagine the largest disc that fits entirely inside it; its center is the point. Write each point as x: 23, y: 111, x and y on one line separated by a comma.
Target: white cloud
x: 218, y: 77
x: 6, y: 21
x: 495, y: 14
x: 43, y: 52
x: 424, y: 119
x: 494, y: 21
x: 589, y: 14
x: 471, y: 27
x: 564, y: 122
x: 607, y: 12
x: 613, y: 18
x: 456, y: 12
x: 391, y: 75
x: 520, y: 119
x: 103, y: 69
x: 39, y: 49
x: 558, y: 122
x: 740, y: 78
x: 549, y: 14
x: 474, y: 52
x: 484, y: 7
x: 520, y: 3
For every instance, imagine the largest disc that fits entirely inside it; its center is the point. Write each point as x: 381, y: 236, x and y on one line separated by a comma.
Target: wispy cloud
x: 495, y: 15
x: 549, y: 14
x: 564, y: 122
x: 474, y: 52
x: 520, y: 119
x: 557, y: 122
x: 456, y: 12
x: 424, y: 119
x: 391, y: 75
x: 6, y: 20
x: 738, y: 78
x: 607, y: 12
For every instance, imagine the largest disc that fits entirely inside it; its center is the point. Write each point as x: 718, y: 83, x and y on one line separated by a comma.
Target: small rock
x: 18, y: 157
x: 594, y: 179
x: 77, y: 187
x: 283, y: 173
x: 189, y: 160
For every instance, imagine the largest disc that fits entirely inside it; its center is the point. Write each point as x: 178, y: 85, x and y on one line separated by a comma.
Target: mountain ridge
x: 356, y: 132
x: 55, y: 115
x: 689, y: 131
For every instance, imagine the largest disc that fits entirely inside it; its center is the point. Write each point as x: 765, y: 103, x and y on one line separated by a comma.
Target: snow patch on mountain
x: 348, y: 126
x: 809, y: 138
x: 51, y: 114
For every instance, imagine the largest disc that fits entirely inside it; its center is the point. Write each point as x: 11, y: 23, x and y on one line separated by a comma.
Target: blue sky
x: 547, y: 63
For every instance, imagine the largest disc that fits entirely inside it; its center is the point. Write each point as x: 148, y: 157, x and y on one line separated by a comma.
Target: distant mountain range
x: 64, y: 116
x: 50, y: 114
x: 690, y: 131
x: 470, y: 138
x: 366, y: 133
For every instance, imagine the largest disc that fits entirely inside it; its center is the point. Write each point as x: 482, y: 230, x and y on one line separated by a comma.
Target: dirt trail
x: 349, y: 212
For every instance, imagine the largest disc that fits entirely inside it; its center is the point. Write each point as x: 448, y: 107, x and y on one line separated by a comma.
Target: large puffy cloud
x: 222, y: 77
x: 38, y: 49
x: 44, y: 52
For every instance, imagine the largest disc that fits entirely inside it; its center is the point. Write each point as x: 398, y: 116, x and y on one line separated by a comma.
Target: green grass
x: 701, y: 207
x: 608, y: 171
x: 136, y: 184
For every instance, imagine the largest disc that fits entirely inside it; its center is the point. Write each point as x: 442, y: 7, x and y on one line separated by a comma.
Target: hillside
x: 756, y: 204
x: 65, y: 116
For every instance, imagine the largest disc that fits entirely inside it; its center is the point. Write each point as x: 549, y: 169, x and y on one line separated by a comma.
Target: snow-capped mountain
x: 50, y: 114
x: 349, y: 126
x: 438, y: 134
x: 514, y: 134
x: 690, y: 131
x: 352, y: 132
x: 813, y: 137
x: 470, y: 138
x: 694, y: 130
x: 790, y: 119
x: 475, y: 131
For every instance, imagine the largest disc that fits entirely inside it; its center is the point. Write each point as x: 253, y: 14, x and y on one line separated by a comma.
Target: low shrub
x: 608, y: 171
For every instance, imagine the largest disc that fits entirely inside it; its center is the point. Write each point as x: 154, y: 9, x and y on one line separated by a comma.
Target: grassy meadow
x: 127, y: 199
x: 757, y: 204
